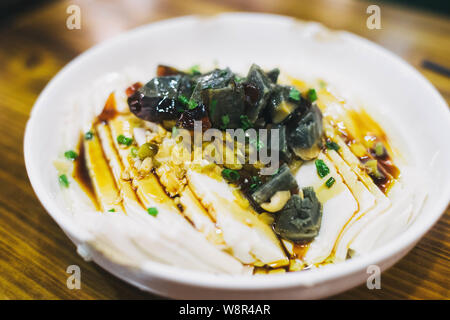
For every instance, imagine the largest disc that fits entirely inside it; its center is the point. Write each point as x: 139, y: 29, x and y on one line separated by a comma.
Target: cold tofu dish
x: 232, y: 173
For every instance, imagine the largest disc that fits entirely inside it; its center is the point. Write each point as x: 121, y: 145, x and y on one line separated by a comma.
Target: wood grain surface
x: 34, y: 252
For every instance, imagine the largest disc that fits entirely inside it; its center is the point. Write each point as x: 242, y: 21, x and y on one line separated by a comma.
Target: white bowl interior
x: 396, y: 95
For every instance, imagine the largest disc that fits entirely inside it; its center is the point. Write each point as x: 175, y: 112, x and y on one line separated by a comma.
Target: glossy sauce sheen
x: 367, y: 131
x: 133, y: 88
x: 81, y: 173
x: 300, y: 250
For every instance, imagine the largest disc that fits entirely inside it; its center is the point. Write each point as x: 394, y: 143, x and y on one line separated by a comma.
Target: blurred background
x: 35, y: 44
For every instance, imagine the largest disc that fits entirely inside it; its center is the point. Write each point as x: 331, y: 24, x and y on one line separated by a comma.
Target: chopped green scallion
x: 256, y: 179
x: 322, y: 84
x: 112, y: 210
x: 195, y: 70
x: 330, y: 182
x: 245, y: 123
x: 225, y: 121
x: 372, y: 168
x: 63, y: 180
x: 183, y: 99
x: 230, y: 175
x: 192, y: 104
x: 121, y: 139
x: 88, y: 135
x: 258, y: 144
x: 256, y: 182
x: 379, y: 149
x: 322, y: 168
x: 294, y: 94
x: 174, y: 132
x: 312, y: 95
x: 213, y: 106
x: 152, y: 211
x: 71, y: 155
x: 332, y: 145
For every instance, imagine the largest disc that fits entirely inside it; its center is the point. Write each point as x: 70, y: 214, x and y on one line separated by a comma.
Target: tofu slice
x: 108, y: 185
x: 388, y: 218
x: 407, y: 200
x: 115, y: 164
x: 200, y: 218
x: 354, y: 163
x: 102, y: 179
x: 394, y: 218
x: 338, y: 203
x: 148, y: 189
x: 382, y: 202
x: 122, y: 125
x: 374, y: 224
x: 131, y: 202
x: 251, y: 240
x: 179, y: 230
x: 365, y: 199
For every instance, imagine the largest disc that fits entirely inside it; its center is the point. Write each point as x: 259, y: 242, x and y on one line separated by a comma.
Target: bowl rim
x: 403, y: 242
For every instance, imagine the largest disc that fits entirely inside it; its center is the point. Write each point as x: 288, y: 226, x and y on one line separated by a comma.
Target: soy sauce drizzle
x: 370, y: 133
x: 109, y: 111
x: 81, y: 173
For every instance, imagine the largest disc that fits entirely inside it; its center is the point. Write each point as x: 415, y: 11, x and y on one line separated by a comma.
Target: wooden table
x: 34, y: 252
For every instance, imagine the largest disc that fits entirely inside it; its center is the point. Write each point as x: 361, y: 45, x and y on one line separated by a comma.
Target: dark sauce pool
x: 81, y: 173
x: 368, y: 130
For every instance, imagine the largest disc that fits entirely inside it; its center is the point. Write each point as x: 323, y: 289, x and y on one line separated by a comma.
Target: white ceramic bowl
x: 399, y: 97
